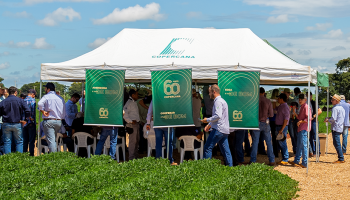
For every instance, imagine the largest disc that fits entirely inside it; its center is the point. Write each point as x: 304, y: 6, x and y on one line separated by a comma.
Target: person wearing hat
x: 11, y: 110
x: 282, y: 120
x: 53, y: 109
x: 29, y: 130
x: 292, y: 128
x: 303, y: 119
x: 337, y: 125
x: 346, y: 107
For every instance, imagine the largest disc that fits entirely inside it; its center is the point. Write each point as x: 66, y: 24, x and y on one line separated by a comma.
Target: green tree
x: 343, y: 65
x: 75, y: 88
x: 36, y: 85
x: 1, y: 79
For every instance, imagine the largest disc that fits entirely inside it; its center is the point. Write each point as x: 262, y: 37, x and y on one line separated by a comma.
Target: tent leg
x: 39, y: 138
x: 317, y: 140
x: 327, y: 122
x: 82, y: 96
x: 308, y: 127
x: 167, y: 148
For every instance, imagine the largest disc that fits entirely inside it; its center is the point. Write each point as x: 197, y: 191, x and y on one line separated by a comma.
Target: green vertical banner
x: 104, y: 97
x: 240, y: 89
x: 172, y: 98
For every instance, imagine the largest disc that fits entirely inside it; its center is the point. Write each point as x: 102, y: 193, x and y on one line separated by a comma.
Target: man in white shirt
x: 53, y: 109
x: 132, y: 119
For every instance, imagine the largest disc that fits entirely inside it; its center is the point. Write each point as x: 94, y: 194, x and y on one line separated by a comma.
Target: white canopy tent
x: 204, y: 50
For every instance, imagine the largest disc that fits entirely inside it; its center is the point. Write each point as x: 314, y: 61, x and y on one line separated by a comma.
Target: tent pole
x: 308, y: 127
x: 317, y: 138
x: 167, y: 148
x: 39, y: 138
x: 327, y: 118
x: 82, y: 96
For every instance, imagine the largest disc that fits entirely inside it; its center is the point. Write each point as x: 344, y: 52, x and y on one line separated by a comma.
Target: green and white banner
x: 172, y: 98
x: 240, y: 89
x: 104, y: 97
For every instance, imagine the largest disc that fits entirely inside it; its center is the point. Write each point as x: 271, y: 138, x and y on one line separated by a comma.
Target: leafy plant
x: 65, y: 176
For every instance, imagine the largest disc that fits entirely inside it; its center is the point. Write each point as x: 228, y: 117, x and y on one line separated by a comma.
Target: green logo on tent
x: 175, y: 48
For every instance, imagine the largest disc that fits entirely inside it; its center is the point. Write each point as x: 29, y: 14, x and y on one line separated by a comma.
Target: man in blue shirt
x: 29, y: 130
x: 71, y: 113
x: 219, y: 123
x: 346, y: 107
x: 11, y: 110
x: 337, y: 125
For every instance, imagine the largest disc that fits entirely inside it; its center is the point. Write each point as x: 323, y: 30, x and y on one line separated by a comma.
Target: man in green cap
x: 2, y: 97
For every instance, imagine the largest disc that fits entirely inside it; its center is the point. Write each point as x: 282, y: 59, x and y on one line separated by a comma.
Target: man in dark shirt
x: 11, y: 110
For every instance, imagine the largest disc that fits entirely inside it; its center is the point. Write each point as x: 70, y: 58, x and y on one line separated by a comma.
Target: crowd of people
x: 278, y: 116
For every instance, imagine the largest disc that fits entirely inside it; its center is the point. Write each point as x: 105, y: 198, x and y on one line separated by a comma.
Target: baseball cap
x: 32, y: 91
x: 342, y: 97
x: 51, y: 86
x: 336, y: 97
x: 302, y: 96
x: 286, y: 90
x: 2, y: 86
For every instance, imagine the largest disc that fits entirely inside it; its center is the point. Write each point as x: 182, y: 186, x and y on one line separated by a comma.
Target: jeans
x: 247, y: 148
x: 113, y: 136
x: 337, y: 145
x: 264, y: 133
x: 292, y: 129
x: 222, y: 140
x: 1, y: 142
x: 276, y: 148
x: 302, y: 148
x: 29, y: 135
x: 345, y: 138
x: 12, y: 131
x: 240, y: 135
x: 160, y: 132
x: 283, y: 144
x: 50, y: 128
x: 313, y: 138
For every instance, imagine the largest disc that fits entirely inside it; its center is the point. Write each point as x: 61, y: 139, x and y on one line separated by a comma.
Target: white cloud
x: 338, y: 48
x: 40, y: 43
x: 196, y: 15
x: 289, y: 52
x: 131, y: 14
x: 59, y: 15
x: 304, y: 52
x: 319, y: 27
x: 6, y: 53
x: 23, y: 14
x: 15, y: 73
x: 98, y: 42
x: 30, y: 2
x: 29, y: 68
x: 334, y: 34
x: 4, y: 65
x: 329, y: 70
x: 278, y: 19
x: 12, y: 44
x: 315, y: 8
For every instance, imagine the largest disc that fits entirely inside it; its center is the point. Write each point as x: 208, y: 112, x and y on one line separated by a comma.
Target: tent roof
x: 204, y: 50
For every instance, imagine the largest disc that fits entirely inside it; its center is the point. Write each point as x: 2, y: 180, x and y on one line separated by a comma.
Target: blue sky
x: 312, y: 32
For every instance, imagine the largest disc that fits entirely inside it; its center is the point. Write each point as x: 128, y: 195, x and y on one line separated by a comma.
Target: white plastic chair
x: 60, y: 143
x: 107, y: 145
x: 46, y: 148
x: 82, y: 142
x: 189, y: 146
x: 151, y: 141
x: 122, y: 145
